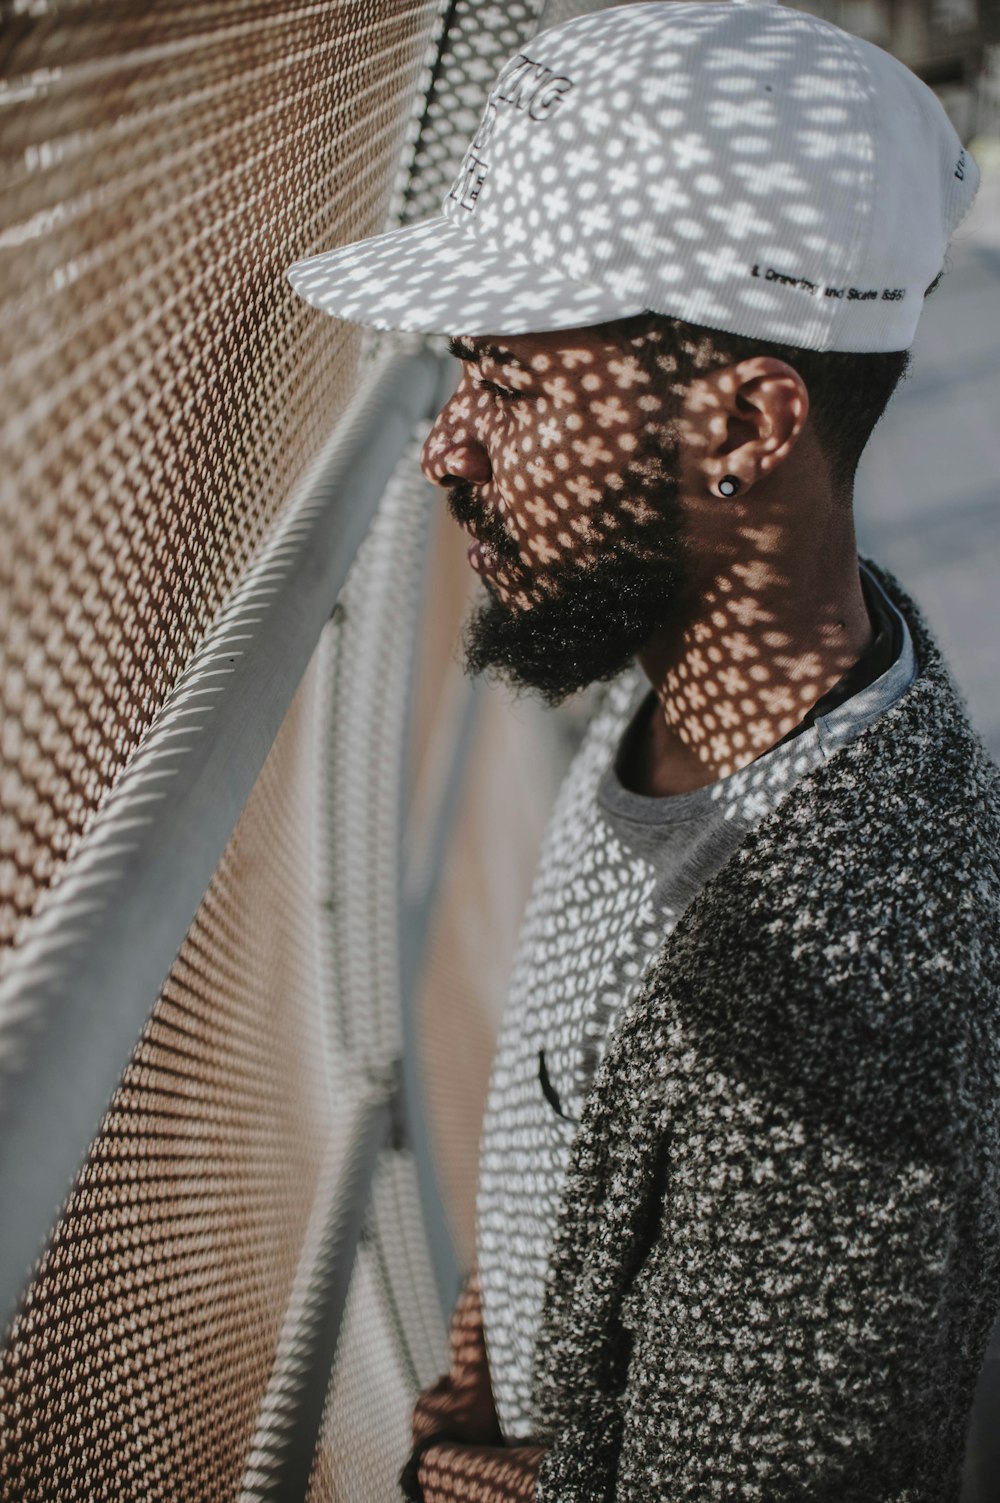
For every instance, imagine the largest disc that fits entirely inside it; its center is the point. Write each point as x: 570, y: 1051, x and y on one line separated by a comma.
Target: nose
x: 452, y: 452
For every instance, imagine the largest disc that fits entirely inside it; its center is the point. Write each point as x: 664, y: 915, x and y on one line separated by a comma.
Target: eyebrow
x: 497, y: 352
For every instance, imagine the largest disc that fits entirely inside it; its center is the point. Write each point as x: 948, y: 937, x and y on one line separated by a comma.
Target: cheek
x: 559, y: 473
x: 546, y: 476
x: 513, y: 450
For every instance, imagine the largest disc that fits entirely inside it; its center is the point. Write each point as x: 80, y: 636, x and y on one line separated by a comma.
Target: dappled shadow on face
x: 585, y: 466
x: 575, y: 452
x: 560, y: 459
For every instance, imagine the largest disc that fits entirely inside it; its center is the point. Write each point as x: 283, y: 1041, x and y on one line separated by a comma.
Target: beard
x: 585, y: 623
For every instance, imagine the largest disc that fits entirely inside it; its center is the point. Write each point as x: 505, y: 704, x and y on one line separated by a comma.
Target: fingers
x: 468, y: 1345
x: 489, y: 1474
x: 432, y: 1409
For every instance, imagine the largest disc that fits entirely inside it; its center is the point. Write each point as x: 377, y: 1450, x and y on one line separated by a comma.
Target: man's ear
x: 740, y: 422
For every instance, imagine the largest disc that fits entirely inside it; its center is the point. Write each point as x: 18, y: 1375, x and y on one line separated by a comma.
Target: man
x: 738, y: 1212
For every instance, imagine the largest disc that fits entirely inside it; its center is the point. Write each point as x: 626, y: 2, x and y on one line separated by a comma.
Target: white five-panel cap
x: 740, y: 165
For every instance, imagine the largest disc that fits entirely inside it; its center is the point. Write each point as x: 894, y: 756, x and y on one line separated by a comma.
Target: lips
x: 490, y: 544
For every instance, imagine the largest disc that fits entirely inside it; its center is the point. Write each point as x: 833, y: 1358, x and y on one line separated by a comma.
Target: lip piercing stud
x: 729, y: 485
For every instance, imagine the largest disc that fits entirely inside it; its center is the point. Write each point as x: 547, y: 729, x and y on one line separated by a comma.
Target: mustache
x: 486, y: 526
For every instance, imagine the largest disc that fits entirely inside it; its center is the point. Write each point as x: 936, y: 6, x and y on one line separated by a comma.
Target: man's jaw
x: 559, y: 631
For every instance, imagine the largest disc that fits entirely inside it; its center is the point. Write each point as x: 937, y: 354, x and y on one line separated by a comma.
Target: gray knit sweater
x: 778, y: 1254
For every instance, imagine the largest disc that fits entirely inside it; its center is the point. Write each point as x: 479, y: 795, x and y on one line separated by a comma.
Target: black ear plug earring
x: 729, y: 485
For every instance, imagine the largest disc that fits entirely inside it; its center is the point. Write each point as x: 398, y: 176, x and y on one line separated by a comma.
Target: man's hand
x: 473, y: 1463
x: 479, y: 1474
x: 460, y: 1404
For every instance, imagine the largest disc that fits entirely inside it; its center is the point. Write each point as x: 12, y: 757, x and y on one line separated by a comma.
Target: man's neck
x: 758, y: 653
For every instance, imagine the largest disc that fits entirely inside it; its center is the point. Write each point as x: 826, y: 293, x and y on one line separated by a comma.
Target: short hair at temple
x: 848, y: 392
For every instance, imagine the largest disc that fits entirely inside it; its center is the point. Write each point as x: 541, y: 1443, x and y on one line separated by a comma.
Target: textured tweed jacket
x: 778, y: 1255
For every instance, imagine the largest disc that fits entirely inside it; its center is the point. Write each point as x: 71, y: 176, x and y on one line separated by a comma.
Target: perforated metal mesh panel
x: 162, y: 388
x: 138, y: 1362
x: 366, y: 1433
x: 476, y: 40
x: 163, y: 393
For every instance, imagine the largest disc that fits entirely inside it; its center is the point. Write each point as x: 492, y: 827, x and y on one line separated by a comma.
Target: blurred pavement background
x: 928, y: 506
x: 928, y: 489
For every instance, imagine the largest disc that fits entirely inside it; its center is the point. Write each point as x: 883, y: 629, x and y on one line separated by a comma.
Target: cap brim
x: 433, y: 278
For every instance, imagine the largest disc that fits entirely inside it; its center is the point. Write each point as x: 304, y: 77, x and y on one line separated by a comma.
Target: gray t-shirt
x: 616, y: 872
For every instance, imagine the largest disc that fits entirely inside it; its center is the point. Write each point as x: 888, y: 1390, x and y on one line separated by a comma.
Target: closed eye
x: 471, y: 355
x: 505, y: 393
